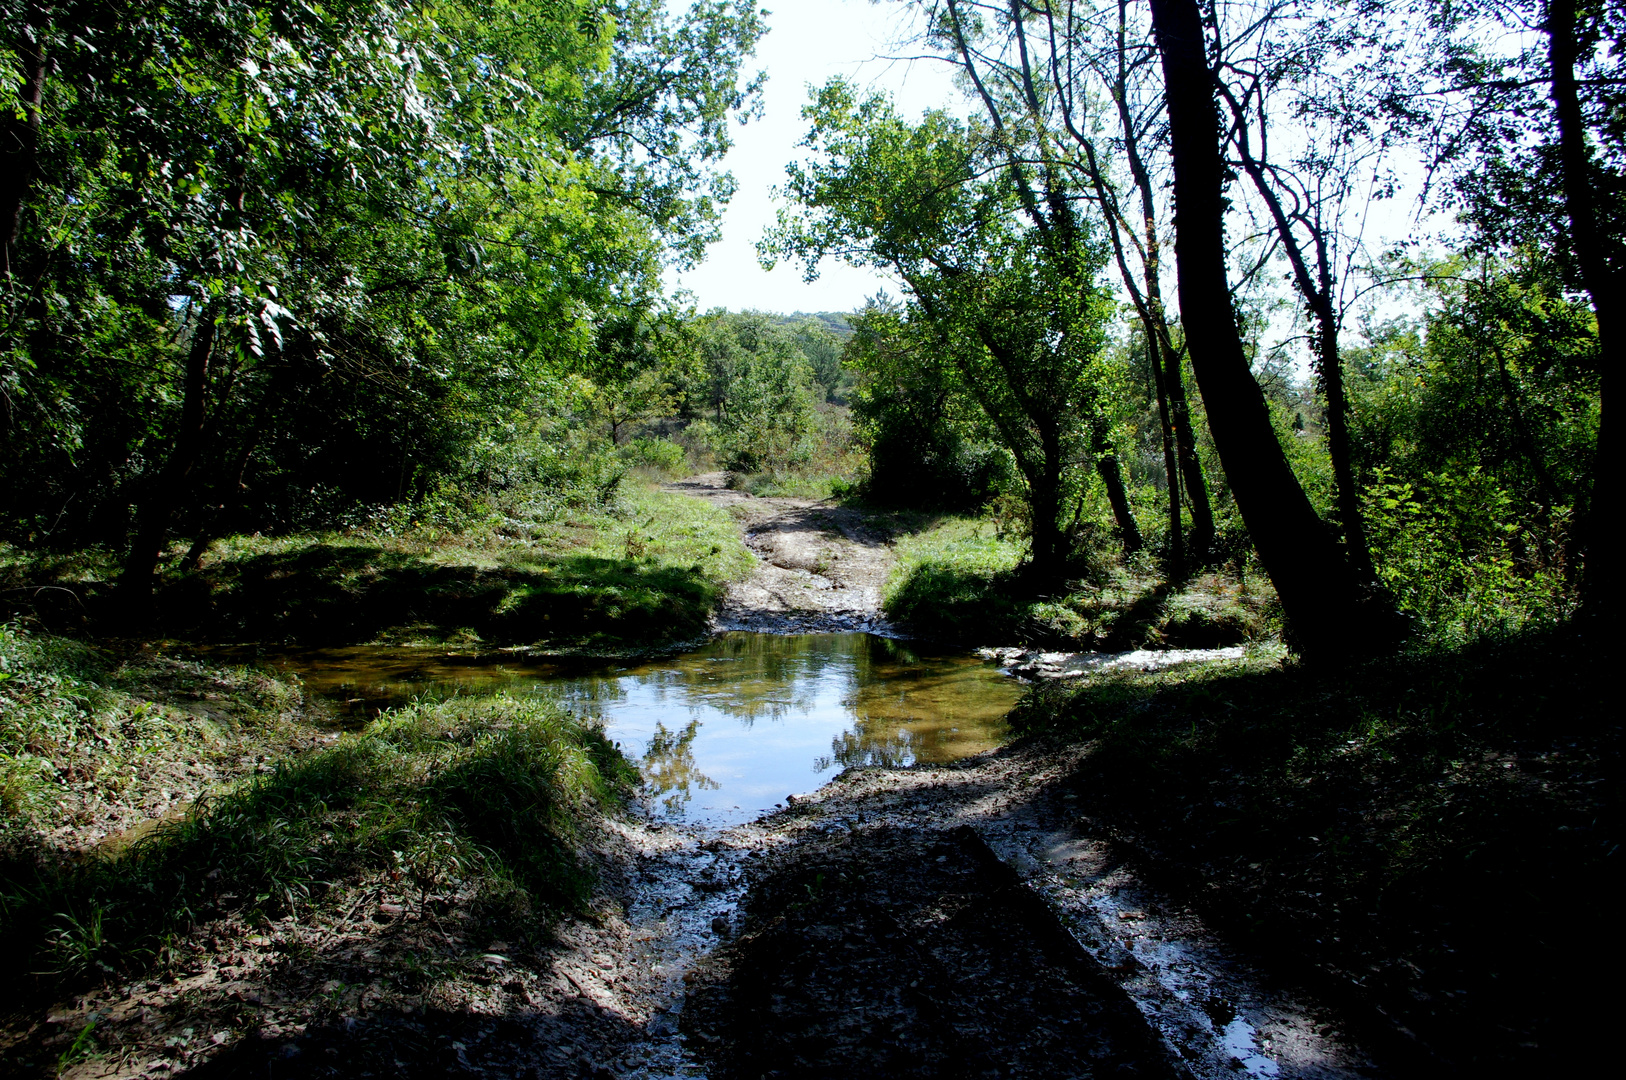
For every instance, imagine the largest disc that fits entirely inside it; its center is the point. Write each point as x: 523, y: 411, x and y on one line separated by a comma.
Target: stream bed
x: 722, y: 734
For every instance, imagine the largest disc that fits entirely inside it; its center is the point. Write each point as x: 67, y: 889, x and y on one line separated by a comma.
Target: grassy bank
x: 283, y: 863
x: 645, y: 574
x: 1430, y: 839
x: 95, y: 742
x: 958, y: 579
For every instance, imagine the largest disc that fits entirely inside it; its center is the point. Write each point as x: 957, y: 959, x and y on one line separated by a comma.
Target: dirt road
x: 820, y: 567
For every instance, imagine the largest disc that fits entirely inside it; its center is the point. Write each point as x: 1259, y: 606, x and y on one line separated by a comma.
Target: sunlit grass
x: 477, y: 801
x: 643, y: 573
x: 960, y: 579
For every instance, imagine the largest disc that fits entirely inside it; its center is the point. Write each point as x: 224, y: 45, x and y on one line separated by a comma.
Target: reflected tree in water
x: 669, y: 767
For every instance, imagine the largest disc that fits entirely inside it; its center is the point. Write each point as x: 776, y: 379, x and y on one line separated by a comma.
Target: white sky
x: 808, y: 42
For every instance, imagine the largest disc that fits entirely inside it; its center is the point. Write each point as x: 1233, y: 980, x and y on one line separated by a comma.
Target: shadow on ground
x: 338, y: 594
x: 911, y: 953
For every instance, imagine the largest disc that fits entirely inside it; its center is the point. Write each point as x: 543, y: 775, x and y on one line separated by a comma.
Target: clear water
x: 724, y: 733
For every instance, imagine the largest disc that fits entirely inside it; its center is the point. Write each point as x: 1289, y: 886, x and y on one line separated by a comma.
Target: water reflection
x: 669, y: 769
x: 729, y: 730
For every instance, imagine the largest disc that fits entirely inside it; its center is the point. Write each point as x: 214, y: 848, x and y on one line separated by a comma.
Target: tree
x: 384, y: 225
x: 1018, y: 315
x: 1028, y: 65
x: 1329, y: 614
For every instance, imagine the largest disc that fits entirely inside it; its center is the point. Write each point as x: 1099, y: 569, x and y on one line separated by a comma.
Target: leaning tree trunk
x: 1112, y: 477
x: 153, y: 519
x: 1328, y: 616
x: 1600, y: 542
x: 1331, y: 369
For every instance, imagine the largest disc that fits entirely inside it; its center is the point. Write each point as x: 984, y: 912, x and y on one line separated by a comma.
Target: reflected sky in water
x: 724, y: 733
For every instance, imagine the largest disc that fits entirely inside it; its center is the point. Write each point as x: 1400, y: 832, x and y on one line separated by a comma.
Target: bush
x: 1452, y: 551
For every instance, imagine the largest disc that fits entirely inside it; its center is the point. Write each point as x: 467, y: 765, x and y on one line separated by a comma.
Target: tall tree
x: 1019, y: 314
x: 1328, y: 613
x: 1567, y: 40
x: 1030, y: 67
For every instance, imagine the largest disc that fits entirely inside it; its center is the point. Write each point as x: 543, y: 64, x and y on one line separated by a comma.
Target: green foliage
x: 929, y: 447
x: 1013, y: 308
x: 1475, y: 428
x: 1452, y: 554
x: 758, y: 381
x: 405, y: 225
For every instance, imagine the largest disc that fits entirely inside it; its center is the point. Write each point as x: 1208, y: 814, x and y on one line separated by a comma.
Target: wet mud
x: 820, y: 567
x: 907, y: 953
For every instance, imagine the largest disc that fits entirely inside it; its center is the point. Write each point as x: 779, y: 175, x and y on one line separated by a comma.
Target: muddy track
x: 954, y: 920
x: 820, y: 567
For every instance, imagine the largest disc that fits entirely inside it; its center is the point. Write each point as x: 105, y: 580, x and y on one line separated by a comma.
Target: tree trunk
x: 1112, y: 475
x: 1185, y: 440
x: 152, y: 528
x: 1331, y: 369
x: 19, y: 136
x: 229, y: 498
x: 1328, y: 617
x: 1047, y: 552
x: 1171, y: 456
x: 1600, y: 543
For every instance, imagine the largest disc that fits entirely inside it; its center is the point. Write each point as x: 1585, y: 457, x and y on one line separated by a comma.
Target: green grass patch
x: 94, y: 741
x: 960, y: 579
x: 793, y: 485
x: 644, y: 575
x: 473, y: 805
x: 1406, y: 830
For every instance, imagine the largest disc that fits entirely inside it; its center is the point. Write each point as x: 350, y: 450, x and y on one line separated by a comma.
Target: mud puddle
x: 863, y: 924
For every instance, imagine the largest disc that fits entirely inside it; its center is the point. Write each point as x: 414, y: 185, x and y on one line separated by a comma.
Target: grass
x: 644, y: 575
x: 1433, y: 839
x: 176, y: 836
x: 93, y: 742
x: 960, y: 579
x: 792, y: 485
x: 472, y: 805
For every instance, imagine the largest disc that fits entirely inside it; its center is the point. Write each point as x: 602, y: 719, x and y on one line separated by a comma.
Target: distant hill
x: 837, y: 322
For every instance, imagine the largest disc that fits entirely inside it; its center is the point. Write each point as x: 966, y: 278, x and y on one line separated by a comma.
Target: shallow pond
x: 726, y: 732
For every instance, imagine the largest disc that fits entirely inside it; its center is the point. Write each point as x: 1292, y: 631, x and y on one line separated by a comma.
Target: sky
x: 808, y: 42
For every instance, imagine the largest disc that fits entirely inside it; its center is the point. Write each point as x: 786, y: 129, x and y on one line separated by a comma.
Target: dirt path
x: 820, y: 567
